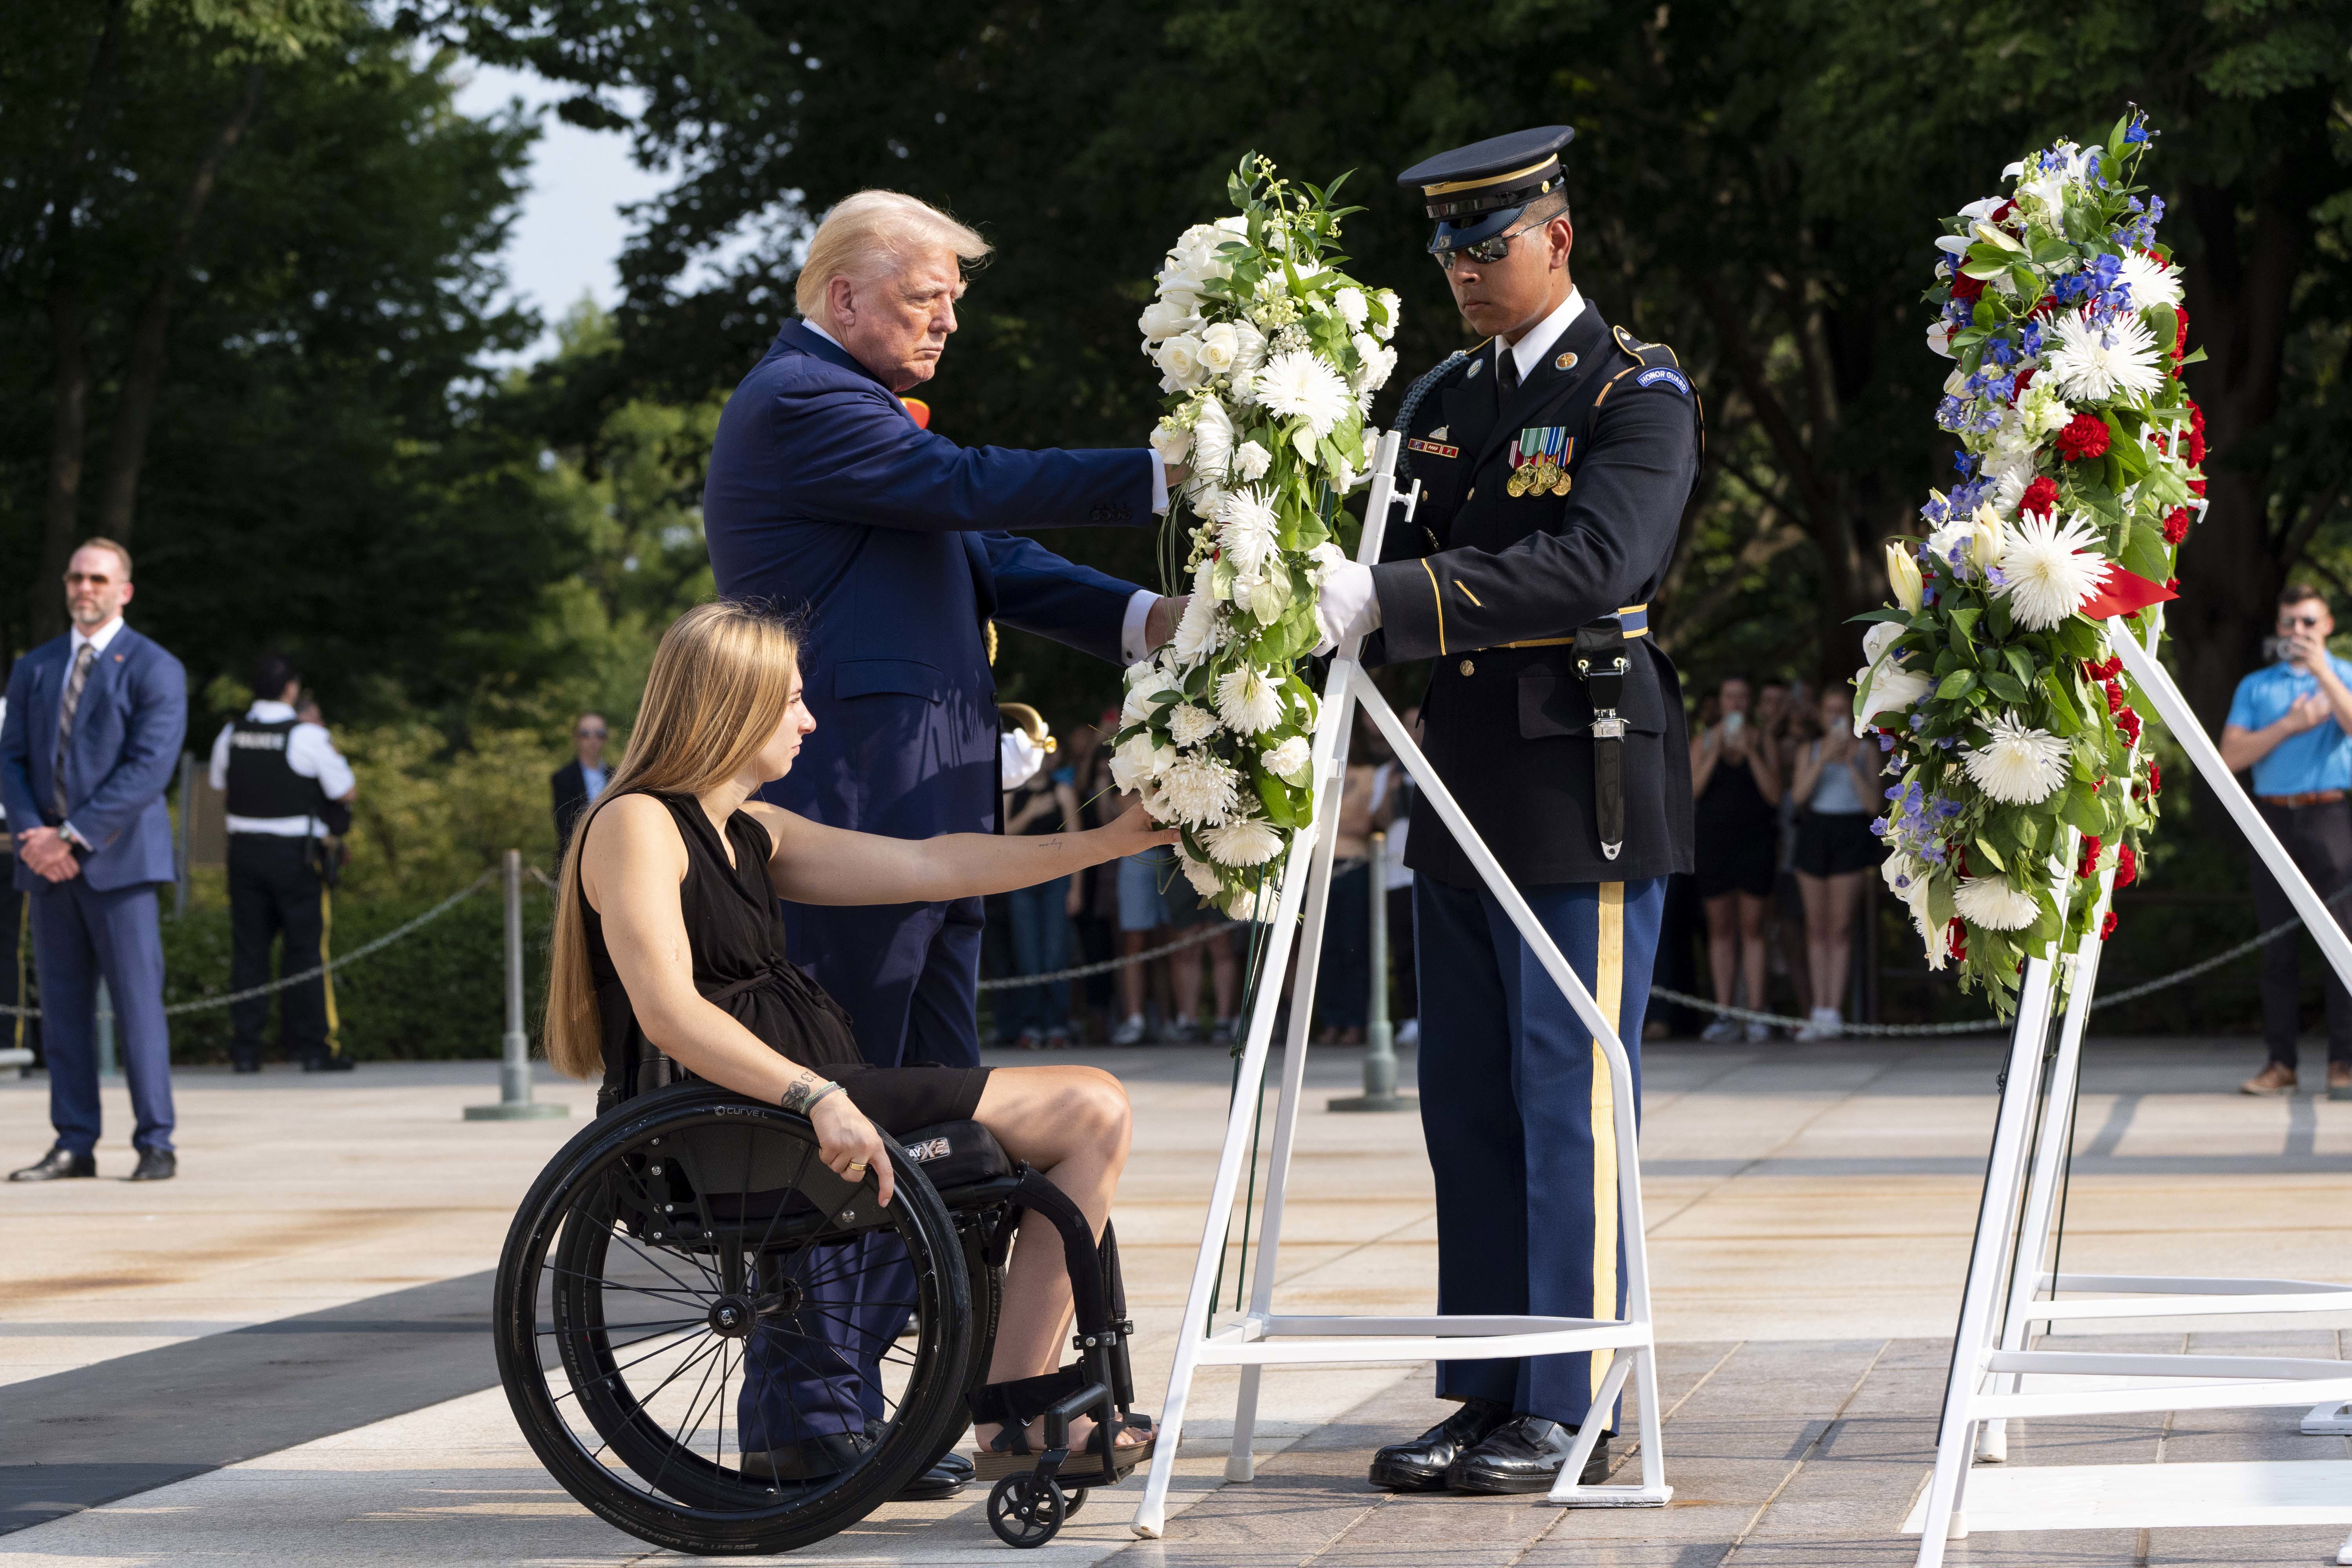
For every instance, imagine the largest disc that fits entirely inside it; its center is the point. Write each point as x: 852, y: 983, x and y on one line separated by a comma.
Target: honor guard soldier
x: 289, y: 795
x: 1555, y: 460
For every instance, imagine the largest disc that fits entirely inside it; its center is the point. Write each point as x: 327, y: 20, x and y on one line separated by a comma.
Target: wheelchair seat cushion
x: 956, y: 1153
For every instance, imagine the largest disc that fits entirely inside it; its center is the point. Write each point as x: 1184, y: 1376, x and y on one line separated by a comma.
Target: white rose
x: 1251, y: 461
x: 1219, y: 346
x: 1165, y: 319
x: 1391, y: 307
x: 1179, y: 359
x: 1290, y: 760
x: 1134, y: 763
x: 1171, y: 441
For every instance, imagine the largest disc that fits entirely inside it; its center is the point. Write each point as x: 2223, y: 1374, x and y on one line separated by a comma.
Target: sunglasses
x: 2305, y: 621
x: 589, y: 734
x: 1485, y: 252
x: 96, y: 580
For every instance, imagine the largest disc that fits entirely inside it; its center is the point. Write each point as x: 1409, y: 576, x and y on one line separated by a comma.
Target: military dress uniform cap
x: 1477, y: 192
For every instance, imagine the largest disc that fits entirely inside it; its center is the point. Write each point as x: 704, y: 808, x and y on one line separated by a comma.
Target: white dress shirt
x: 309, y: 751
x: 1529, y: 350
x: 1132, y: 647
x: 96, y: 642
x: 591, y: 780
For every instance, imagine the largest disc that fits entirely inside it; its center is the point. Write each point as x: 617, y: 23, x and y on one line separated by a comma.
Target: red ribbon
x: 2124, y: 594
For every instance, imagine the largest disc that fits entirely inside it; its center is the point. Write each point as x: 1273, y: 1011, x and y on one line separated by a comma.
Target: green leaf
x: 1955, y: 684
x: 2145, y: 553
x: 2063, y: 716
x: 1275, y: 796
x: 2021, y: 664
x: 1303, y: 440
x: 2006, y: 687
x: 1986, y: 850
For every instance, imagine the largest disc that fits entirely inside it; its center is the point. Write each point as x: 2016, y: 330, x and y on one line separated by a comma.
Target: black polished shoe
x: 327, y: 1064
x: 57, y: 1165
x: 157, y: 1165
x: 943, y: 1479
x: 1524, y: 1455
x: 1421, y: 1465
x: 810, y: 1459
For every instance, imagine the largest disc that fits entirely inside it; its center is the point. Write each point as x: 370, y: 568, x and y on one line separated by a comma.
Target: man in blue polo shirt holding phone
x: 2291, y: 722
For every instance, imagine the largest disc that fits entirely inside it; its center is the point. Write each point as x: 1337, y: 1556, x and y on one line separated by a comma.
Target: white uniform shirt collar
x: 1529, y: 350
x: 98, y: 639
x: 268, y: 713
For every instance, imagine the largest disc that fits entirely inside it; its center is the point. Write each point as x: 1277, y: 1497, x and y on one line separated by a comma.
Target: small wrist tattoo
x: 801, y: 1096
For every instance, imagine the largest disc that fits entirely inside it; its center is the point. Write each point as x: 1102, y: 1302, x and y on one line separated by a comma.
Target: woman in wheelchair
x: 669, y: 964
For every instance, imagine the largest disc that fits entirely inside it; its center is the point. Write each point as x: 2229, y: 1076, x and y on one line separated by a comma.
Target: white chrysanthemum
x: 1299, y: 385
x: 1884, y: 686
x: 2152, y: 281
x: 1196, y: 628
x: 2097, y: 361
x: 1249, y: 357
x: 2049, y: 568
x: 1322, y: 561
x: 1389, y: 303
x: 1251, y: 461
x: 1991, y: 903
x: 1246, y: 525
x: 2009, y: 488
x: 1247, y: 702
x: 1213, y: 437
x: 1351, y: 305
x: 1249, y: 842
x: 1202, y: 875
x: 1290, y: 760
x: 1379, y: 362
x: 1189, y: 723
x: 1201, y: 790
x: 2020, y: 765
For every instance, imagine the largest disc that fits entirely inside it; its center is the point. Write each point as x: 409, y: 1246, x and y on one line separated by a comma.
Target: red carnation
x: 2042, y: 495
x: 2107, y: 926
x: 2172, y: 585
x: 2023, y: 379
x: 2196, y: 417
x: 2090, y: 866
x: 2197, y: 487
x: 2127, y: 866
x: 2180, y: 339
x: 2155, y: 779
x: 2129, y: 722
x: 2195, y: 449
x: 1966, y: 288
x: 2107, y: 671
x: 2176, y: 526
x: 1956, y: 937
x: 2115, y: 693
x: 2084, y: 438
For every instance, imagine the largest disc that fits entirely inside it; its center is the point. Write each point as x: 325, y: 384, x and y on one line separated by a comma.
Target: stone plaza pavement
x: 279, y: 1357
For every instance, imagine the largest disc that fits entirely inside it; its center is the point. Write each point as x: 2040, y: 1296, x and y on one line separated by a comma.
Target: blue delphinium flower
x: 1951, y: 414
x: 2000, y: 388
x: 1964, y: 462
x: 1998, y: 351
x: 2030, y: 340
x: 1878, y: 825
x: 1886, y: 741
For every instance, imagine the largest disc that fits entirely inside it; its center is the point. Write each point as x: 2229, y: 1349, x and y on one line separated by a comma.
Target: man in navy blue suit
x: 95, y: 722
x: 827, y: 498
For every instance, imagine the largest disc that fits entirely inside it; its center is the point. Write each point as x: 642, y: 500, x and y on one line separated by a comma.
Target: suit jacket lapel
x: 1586, y: 337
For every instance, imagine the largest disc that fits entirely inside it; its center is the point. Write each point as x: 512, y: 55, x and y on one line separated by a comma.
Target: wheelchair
x: 689, y: 1244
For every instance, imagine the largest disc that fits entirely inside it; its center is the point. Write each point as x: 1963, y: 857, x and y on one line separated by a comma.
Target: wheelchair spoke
x: 608, y: 1376
x: 655, y: 1323
x: 710, y: 1279
x: 656, y: 1291
x: 686, y: 1439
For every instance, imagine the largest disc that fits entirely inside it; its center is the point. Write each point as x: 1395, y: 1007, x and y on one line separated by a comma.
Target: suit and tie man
x: 1556, y: 458
x: 92, y: 736
x: 826, y: 496
x: 582, y: 780
x: 289, y: 794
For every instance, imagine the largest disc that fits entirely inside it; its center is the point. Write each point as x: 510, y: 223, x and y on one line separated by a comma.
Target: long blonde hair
x: 720, y: 684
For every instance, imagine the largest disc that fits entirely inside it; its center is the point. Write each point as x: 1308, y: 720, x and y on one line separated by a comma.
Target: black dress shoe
x: 56, y: 1166
x: 1524, y: 1455
x: 809, y: 1460
x: 943, y: 1479
x: 1421, y: 1465
x: 157, y: 1165
x: 327, y: 1064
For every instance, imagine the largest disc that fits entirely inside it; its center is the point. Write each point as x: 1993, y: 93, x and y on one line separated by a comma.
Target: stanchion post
x: 1379, y: 1039
x: 515, y: 1103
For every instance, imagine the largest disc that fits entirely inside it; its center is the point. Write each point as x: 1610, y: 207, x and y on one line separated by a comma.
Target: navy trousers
x: 908, y: 975
x: 79, y: 936
x: 1516, y: 1106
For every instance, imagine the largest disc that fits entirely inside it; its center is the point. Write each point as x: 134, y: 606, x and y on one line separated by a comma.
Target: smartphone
x: 1733, y: 723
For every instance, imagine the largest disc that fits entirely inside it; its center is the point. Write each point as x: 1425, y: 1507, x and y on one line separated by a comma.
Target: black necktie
x: 1506, y: 370
x: 68, y: 703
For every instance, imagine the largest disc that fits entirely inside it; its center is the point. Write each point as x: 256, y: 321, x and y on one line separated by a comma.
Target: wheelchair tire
x: 701, y: 1225
x: 1026, y: 1511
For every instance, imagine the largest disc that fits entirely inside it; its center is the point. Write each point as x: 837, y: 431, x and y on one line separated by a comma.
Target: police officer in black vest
x: 1555, y: 459
x: 289, y: 795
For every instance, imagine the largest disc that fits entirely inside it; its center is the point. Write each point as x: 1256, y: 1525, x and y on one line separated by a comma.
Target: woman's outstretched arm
x: 630, y: 869
x: 813, y: 864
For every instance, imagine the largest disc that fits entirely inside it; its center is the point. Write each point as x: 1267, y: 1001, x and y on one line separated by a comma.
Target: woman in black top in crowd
x: 667, y: 933
x: 1736, y: 780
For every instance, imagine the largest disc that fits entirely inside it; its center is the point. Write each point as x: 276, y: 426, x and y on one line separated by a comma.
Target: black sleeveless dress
x: 736, y: 938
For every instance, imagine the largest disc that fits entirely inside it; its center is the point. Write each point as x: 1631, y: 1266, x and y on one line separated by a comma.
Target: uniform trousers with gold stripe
x: 1518, y: 1107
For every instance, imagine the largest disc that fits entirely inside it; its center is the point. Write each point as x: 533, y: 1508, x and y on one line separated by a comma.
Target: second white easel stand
x: 2010, y: 1278
x: 1261, y: 1336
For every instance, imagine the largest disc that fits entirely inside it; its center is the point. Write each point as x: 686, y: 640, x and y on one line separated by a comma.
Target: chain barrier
x: 1190, y: 938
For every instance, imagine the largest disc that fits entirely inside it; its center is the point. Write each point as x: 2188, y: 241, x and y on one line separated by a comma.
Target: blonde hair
x: 720, y: 684
x: 875, y: 234
x: 99, y: 542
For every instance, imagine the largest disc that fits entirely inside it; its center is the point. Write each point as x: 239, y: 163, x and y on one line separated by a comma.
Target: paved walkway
x: 277, y: 1358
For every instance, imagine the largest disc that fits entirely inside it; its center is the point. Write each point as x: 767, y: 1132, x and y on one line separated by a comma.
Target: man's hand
x: 1133, y: 833
x: 2308, y: 714
x: 1159, y: 622
x: 1177, y: 474
x: 46, y: 852
x: 1348, y: 607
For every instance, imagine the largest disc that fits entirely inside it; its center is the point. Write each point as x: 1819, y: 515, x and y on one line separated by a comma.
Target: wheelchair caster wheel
x: 1024, y: 1512
x: 1077, y: 1496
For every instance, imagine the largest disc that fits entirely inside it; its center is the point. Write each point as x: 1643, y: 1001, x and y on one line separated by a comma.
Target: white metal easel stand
x: 2009, y: 1271
x: 1263, y: 1338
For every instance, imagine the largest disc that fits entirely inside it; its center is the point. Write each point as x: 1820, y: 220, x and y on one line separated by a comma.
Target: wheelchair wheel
x: 679, y: 1268
x: 1026, y: 1511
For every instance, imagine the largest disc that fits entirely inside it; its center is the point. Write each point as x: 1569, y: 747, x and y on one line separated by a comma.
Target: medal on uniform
x: 1561, y: 447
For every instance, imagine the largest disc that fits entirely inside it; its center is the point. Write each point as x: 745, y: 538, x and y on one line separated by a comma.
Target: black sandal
x: 1016, y: 1404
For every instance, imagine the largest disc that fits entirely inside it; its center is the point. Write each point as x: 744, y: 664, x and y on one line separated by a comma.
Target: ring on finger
x: 856, y: 1170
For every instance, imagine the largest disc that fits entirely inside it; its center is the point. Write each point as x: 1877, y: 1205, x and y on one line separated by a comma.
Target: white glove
x: 1020, y: 757
x: 1347, y: 609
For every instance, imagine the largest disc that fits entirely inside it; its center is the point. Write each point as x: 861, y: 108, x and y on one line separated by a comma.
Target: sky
x: 571, y: 229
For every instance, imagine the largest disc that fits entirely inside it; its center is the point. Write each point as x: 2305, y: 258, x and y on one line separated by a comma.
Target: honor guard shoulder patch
x: 1663, y: 376
x: 1435, y: 448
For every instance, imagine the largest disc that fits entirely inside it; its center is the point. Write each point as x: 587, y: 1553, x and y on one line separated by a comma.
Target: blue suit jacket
x: 128, y: 732
x: 825, y: 498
